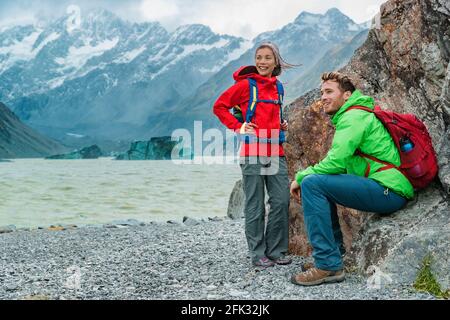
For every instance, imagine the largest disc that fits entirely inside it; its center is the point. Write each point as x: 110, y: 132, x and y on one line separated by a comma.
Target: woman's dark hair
x: 280, y: 64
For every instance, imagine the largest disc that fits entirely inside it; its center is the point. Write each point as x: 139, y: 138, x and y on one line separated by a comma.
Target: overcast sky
x: 246, y: 18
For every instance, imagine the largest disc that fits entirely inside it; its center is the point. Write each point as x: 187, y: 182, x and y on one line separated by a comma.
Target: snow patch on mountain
x: 233, y: 55
x: 56, y: 82
x: 79, y: 56
x: 75, y: 135
x: 130, y: 55
x: 187, y: 50
x: 22, y: 50
x: 18, y: 51
x: 52, y: 37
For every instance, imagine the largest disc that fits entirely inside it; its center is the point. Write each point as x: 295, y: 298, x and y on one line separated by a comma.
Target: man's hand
x: 295, y: 190
x: 284, y: 126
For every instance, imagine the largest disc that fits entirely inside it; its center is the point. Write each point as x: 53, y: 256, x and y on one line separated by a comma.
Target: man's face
x: 332, y: 97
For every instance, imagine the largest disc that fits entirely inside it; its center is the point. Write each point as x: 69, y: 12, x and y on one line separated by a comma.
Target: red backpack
x: 417, y: 155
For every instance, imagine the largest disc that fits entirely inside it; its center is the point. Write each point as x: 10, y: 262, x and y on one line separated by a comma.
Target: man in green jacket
x: 340, y: 178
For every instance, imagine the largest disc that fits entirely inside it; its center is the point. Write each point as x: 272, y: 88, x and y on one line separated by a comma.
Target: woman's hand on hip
x: 248, y: 128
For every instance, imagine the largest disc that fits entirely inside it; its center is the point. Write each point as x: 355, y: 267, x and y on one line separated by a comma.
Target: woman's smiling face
x: 265, y: 62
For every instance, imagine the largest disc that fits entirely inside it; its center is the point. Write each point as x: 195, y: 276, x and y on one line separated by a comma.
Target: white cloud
x: 22, y: 19
x: 236, y: 17
x: 251, y: 17
x: 156, y: 10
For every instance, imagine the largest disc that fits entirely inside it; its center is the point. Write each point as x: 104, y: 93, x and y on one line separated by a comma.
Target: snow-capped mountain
x: 111, y: 79
x: 106, y: 76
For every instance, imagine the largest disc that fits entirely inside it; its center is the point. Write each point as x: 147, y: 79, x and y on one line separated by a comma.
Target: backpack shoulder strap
x: 252, y: 102
x: 358, y: 152
x: 280, y: 90
x: 360, y: 108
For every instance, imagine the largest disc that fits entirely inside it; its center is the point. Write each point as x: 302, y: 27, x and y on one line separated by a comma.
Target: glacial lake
x: 38, y: 192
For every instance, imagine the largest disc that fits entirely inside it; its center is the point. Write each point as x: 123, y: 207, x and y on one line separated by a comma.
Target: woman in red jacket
x: 263, y: 163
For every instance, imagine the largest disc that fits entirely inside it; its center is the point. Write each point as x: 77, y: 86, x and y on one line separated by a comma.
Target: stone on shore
x: 190, y: 221
x: 8, y: 229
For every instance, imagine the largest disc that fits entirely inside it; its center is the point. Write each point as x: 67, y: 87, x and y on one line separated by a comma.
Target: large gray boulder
x: 236, y: 203
x: 404, y: 65
x: 399, y: 243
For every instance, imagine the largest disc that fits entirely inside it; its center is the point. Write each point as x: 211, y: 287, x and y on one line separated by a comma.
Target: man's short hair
x: 345, y: 83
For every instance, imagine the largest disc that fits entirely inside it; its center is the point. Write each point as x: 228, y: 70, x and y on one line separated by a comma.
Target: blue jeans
x: 321, y: 193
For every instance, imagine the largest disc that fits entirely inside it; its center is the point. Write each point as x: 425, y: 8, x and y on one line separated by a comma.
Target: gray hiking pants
x: 269, y: 172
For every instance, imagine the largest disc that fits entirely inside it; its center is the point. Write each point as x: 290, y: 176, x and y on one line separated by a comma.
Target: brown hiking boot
x: 306, y: 266
x: 314, y: 277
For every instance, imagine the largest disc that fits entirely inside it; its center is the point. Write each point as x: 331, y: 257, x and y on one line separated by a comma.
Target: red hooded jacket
x: 266, y: 117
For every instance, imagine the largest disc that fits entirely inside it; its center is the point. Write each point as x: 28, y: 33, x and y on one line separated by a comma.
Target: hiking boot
x: 314, y: 277
x: 264, y: 262
x: 306, y: 266
x: 283, y: 260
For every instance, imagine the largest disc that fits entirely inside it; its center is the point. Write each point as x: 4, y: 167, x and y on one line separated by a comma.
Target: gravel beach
x: 191, y: 260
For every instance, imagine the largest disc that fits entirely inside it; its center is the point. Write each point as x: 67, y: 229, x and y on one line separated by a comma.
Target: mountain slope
x: 19, y: 141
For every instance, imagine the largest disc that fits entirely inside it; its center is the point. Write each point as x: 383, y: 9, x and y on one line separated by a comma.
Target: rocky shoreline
x: 195, y: 259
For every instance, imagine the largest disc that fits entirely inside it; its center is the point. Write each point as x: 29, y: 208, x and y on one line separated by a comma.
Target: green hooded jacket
x: 359, y: 129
